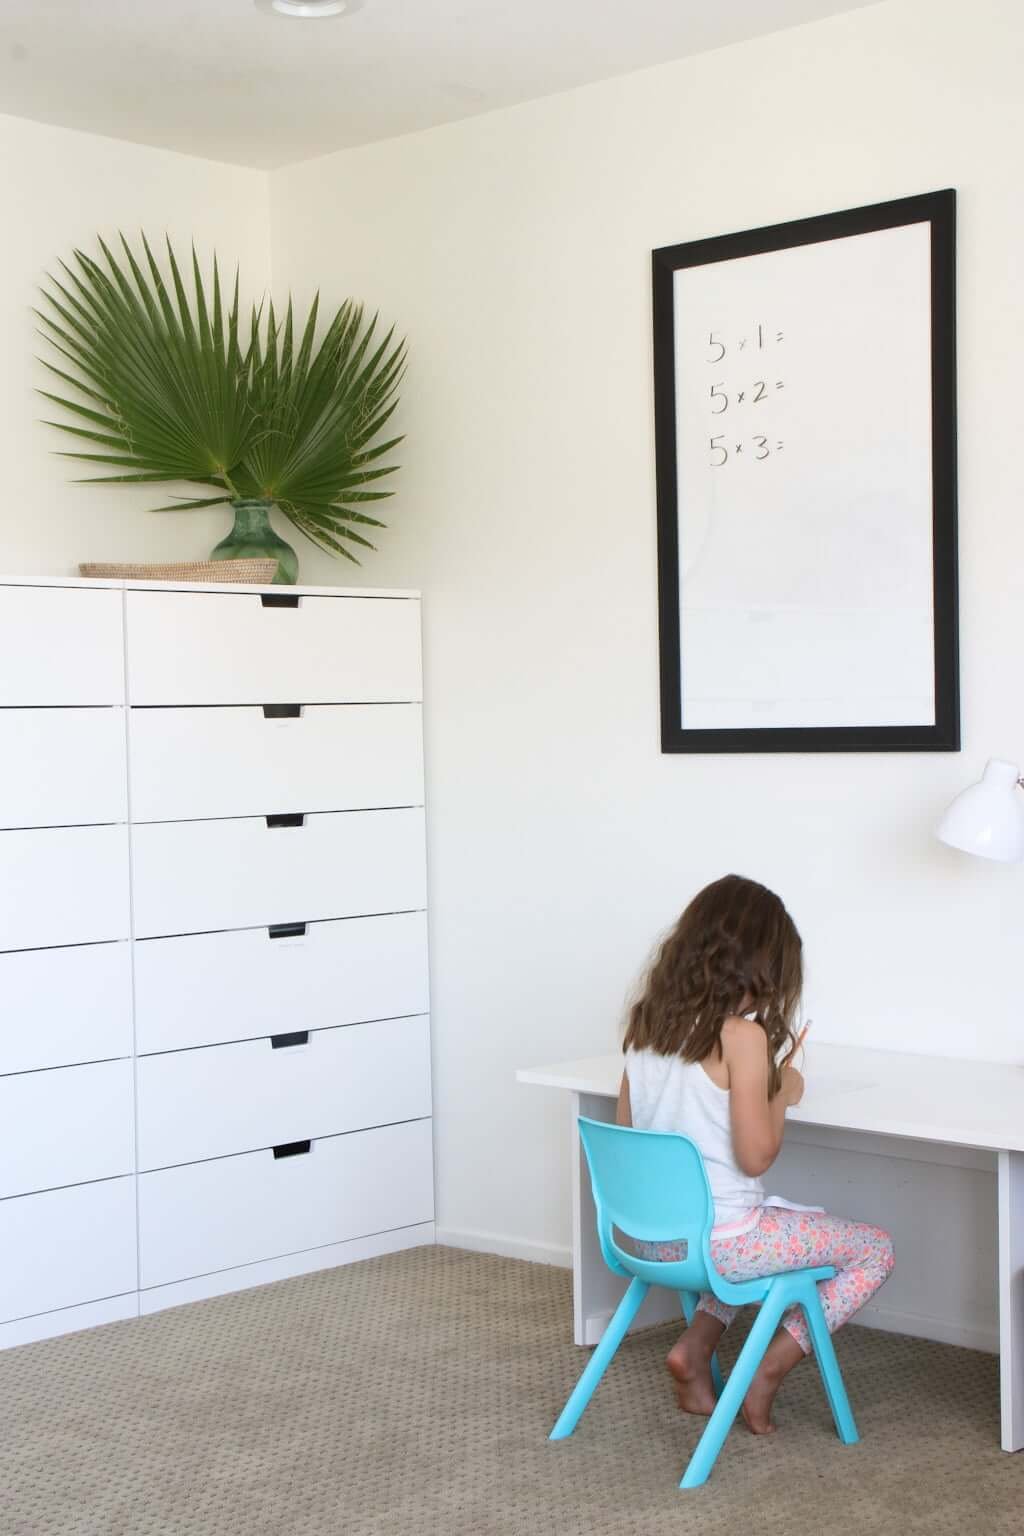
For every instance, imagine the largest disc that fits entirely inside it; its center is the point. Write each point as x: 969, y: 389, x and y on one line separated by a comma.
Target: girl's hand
x: 792, y: 1085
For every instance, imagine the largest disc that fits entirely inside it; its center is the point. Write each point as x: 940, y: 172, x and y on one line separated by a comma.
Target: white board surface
x: 804, y: 454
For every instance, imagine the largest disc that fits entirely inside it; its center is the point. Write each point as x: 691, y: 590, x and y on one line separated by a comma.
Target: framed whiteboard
x: 805, y: 416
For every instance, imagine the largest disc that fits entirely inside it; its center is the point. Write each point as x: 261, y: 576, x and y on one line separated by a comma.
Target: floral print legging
x: 862, y: 1257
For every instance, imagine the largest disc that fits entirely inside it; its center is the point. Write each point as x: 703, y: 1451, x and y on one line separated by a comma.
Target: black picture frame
x: 938, y: 209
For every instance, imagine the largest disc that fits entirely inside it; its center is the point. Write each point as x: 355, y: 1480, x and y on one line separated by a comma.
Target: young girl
x: 709, y: 1050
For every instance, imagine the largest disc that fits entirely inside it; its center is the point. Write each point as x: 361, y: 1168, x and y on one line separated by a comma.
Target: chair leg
x: 689, y: 1300
x: 598, y: 1363
x: 831, y: 1375
x: 720, y: 1422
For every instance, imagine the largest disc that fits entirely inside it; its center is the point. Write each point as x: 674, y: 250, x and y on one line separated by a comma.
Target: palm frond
x: 185, y: 504
x: 174, y: 384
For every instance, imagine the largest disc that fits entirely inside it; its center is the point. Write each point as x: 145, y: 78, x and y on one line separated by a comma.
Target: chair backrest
x: 651, y: 1185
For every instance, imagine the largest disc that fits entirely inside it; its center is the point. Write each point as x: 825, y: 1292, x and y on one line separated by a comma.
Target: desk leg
x: 596, y: 1292
x: 1011, y: 1298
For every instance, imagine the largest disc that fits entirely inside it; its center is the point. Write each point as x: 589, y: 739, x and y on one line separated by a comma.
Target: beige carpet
x: 413, y: 1394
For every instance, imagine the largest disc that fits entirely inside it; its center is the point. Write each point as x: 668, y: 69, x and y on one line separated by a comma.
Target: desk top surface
x: 927, y: 1098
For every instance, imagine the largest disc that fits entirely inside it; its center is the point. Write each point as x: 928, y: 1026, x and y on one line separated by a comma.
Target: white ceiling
x: 222, y: 79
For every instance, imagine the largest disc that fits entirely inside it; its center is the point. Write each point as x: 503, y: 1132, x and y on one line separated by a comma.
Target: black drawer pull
x: 282, y: 711
x: 279, y: 599
x: 286, y: 930
x: 292, y: 1148
x: 297, y: 1037
x: 296, y: 819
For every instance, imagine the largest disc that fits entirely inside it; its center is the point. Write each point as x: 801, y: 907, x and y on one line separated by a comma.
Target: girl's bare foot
x: 689, y: 1364
x: 691, y: 1372
x: 779, y: 1359
x: 757, y: 1405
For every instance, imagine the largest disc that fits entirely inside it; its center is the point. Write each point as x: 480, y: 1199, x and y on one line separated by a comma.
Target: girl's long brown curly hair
x: 735, y: 949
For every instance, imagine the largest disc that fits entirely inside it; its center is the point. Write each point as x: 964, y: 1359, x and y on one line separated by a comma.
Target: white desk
x: 925, y: 1099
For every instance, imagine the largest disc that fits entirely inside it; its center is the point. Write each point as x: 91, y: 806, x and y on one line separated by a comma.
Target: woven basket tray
x: 252, y: 572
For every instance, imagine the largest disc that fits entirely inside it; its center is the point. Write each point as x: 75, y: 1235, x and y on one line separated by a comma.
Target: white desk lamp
x: 988, y: 818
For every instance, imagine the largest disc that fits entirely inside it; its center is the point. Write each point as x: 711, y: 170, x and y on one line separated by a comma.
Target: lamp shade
x: 988, y: 818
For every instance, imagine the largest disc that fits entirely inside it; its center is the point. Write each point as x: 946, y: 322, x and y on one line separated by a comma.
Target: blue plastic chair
x: 653, y: 1186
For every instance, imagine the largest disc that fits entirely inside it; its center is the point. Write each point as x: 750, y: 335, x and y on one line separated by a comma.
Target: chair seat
x: 677, y: 1277
x: 650, y: 1182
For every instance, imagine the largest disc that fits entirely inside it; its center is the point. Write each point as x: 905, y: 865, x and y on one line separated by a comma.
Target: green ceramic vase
x: 252, y: 538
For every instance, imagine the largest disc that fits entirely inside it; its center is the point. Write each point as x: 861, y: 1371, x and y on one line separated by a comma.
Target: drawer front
x: 237, y: 762
x: 64, y: 645
x: 65, y: 1126
x: 63, y: 885
x: 194, y: 876
x: 62, y: 767
x: 67, y: 1247
x: 258, y: 1093
x: 212, y: 987
x: 62, y: 1006
x: 227, y: 648
x: 238, y: 1210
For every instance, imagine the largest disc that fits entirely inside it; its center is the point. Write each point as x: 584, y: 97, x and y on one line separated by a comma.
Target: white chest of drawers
x: 214, y: 1041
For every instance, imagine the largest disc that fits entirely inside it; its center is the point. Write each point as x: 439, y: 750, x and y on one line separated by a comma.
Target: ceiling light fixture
x: 309, y: 10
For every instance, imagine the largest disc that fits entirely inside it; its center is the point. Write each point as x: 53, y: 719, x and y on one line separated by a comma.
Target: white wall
x: 58, y: 190
x: 515, y: 250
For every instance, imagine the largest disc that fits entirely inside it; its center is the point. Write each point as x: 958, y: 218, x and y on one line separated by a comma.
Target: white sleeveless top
x: 669, y: 1094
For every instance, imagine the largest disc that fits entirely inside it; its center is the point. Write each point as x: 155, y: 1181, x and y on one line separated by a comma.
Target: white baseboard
x: 49, y: 1325
x: 660, y: 1306
x: 505, y: 1247
x: 224, y: 1281
x: 966, y: 1334
x: 917, y: 1325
